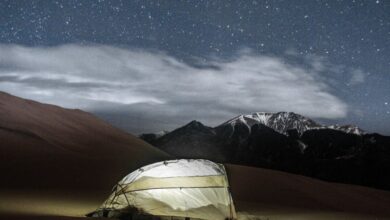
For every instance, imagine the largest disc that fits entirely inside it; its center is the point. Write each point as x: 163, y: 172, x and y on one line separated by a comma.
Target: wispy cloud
x: 357, y: 77
x: 157, y: 86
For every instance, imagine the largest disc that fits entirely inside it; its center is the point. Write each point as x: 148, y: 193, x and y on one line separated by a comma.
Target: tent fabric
x: 196, y: 189
x: 145, y: 183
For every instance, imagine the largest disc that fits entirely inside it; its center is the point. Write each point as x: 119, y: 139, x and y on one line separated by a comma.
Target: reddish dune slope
x: 48, y: 146
x: 279, y: 194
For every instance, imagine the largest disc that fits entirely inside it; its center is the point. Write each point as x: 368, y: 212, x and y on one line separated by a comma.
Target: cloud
x: 141, y: 85
x: 357, y: 77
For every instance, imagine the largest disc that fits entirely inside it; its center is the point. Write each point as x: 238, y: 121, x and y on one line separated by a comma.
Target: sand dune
x: 59, y: 163
x: 63, y: 162
x: 49, y: 146
x: 280, y: 195
x: 69, y: 130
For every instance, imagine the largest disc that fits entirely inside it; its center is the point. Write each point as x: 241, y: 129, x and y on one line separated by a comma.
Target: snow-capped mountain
x: 352, y: 129
x: 280, y: 122
x: 284, y: 121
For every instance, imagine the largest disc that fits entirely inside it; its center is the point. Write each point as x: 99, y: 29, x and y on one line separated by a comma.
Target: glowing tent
x: 174, y: 189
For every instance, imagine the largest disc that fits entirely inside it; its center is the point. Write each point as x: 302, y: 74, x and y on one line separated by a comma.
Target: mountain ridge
x: 284, y: 121
x: 332, y: 153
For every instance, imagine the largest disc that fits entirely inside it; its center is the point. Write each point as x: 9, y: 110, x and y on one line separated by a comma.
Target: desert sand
x: 273, y: 194
x: 61, y: 163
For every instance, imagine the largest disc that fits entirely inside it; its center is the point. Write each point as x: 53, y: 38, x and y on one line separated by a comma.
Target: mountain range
x: 284, y: 121
x: 286, y: 141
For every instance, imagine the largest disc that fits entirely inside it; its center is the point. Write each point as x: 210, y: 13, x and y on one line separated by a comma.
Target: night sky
x: 153, y: 65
